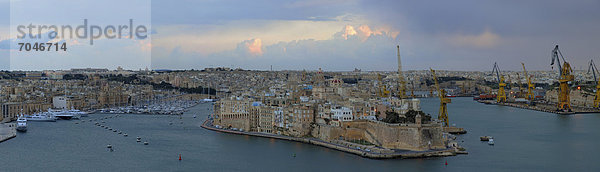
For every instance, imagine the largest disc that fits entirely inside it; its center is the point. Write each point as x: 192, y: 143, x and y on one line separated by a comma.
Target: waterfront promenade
x: 7, y: 131
x: 361, y: 152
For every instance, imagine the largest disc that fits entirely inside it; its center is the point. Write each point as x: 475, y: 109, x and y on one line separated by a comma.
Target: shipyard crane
x: 530, y: 86
x: 594, y: 70
x: 443, y: 114
x: 412, y: 91
x: 430, y: 92
x: 401, y: 81
x: 520, y: 93
x: 383, y: 91
x: 509, y: 81
x: 564, y: 100
x: 501, y: 97
x: 303, y: 75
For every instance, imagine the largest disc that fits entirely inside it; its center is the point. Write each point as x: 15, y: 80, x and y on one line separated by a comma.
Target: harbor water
x: 525, y: 140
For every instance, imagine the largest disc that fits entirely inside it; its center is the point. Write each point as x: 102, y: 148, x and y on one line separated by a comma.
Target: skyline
x: 343, y: 35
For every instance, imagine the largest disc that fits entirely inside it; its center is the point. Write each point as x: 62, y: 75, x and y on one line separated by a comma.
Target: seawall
x: 367, y: 154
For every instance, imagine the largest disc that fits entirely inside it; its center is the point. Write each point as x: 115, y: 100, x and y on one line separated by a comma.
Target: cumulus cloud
x: 348, y: 31
x: 359, y: 46
x: 364, y: 32
x: 253, y: 47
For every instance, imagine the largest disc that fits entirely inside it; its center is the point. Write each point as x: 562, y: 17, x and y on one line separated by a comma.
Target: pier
x: 7, y: 131
x: 361, y: 152
x: 542, y: 107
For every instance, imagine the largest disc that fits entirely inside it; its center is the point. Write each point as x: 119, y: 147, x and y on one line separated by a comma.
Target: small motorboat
x: 491, y: 142
x: 485, y: 138
x: 22, y: 124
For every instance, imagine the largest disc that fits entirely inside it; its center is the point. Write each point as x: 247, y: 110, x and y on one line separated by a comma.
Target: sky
x: 341, y: 35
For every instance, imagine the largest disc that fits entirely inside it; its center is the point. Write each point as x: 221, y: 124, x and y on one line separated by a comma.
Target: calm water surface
x: 525, y: 141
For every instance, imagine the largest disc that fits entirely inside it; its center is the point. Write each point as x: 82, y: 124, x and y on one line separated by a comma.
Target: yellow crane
x: 520, y: 93
x: 383, y: 91
x: 530, y: 95
x: 401, y: 80
x: 443, y: 114
x: 594, y: 70
x: 412, y: 91
x: 564, y: 100
x: 501, y: 97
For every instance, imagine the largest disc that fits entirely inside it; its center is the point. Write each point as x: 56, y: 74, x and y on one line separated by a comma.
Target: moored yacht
x: 77, y: 112
x: 60, y: 114
x: 42, y: 117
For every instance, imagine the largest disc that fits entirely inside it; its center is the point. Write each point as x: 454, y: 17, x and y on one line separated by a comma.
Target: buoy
x: 446, y: 162
x: 179, y: 157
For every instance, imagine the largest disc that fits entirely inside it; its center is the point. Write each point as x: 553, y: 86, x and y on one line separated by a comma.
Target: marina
x: 166, y: 108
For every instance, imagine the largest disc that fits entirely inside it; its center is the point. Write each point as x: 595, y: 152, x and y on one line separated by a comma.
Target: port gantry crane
x: 401, y: 79
x: 383, y: 91
x: 443, y: 114
x: 594, y: 70
x: 412, y: 91
x: 530, y: 86
x: 520, y: 93
x: 564, y: 100
x: 501, y: 97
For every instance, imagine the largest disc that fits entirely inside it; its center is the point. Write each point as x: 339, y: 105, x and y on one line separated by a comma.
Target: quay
x: 7, y: 131
x: 361, y: 152
x: 542, y: 107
